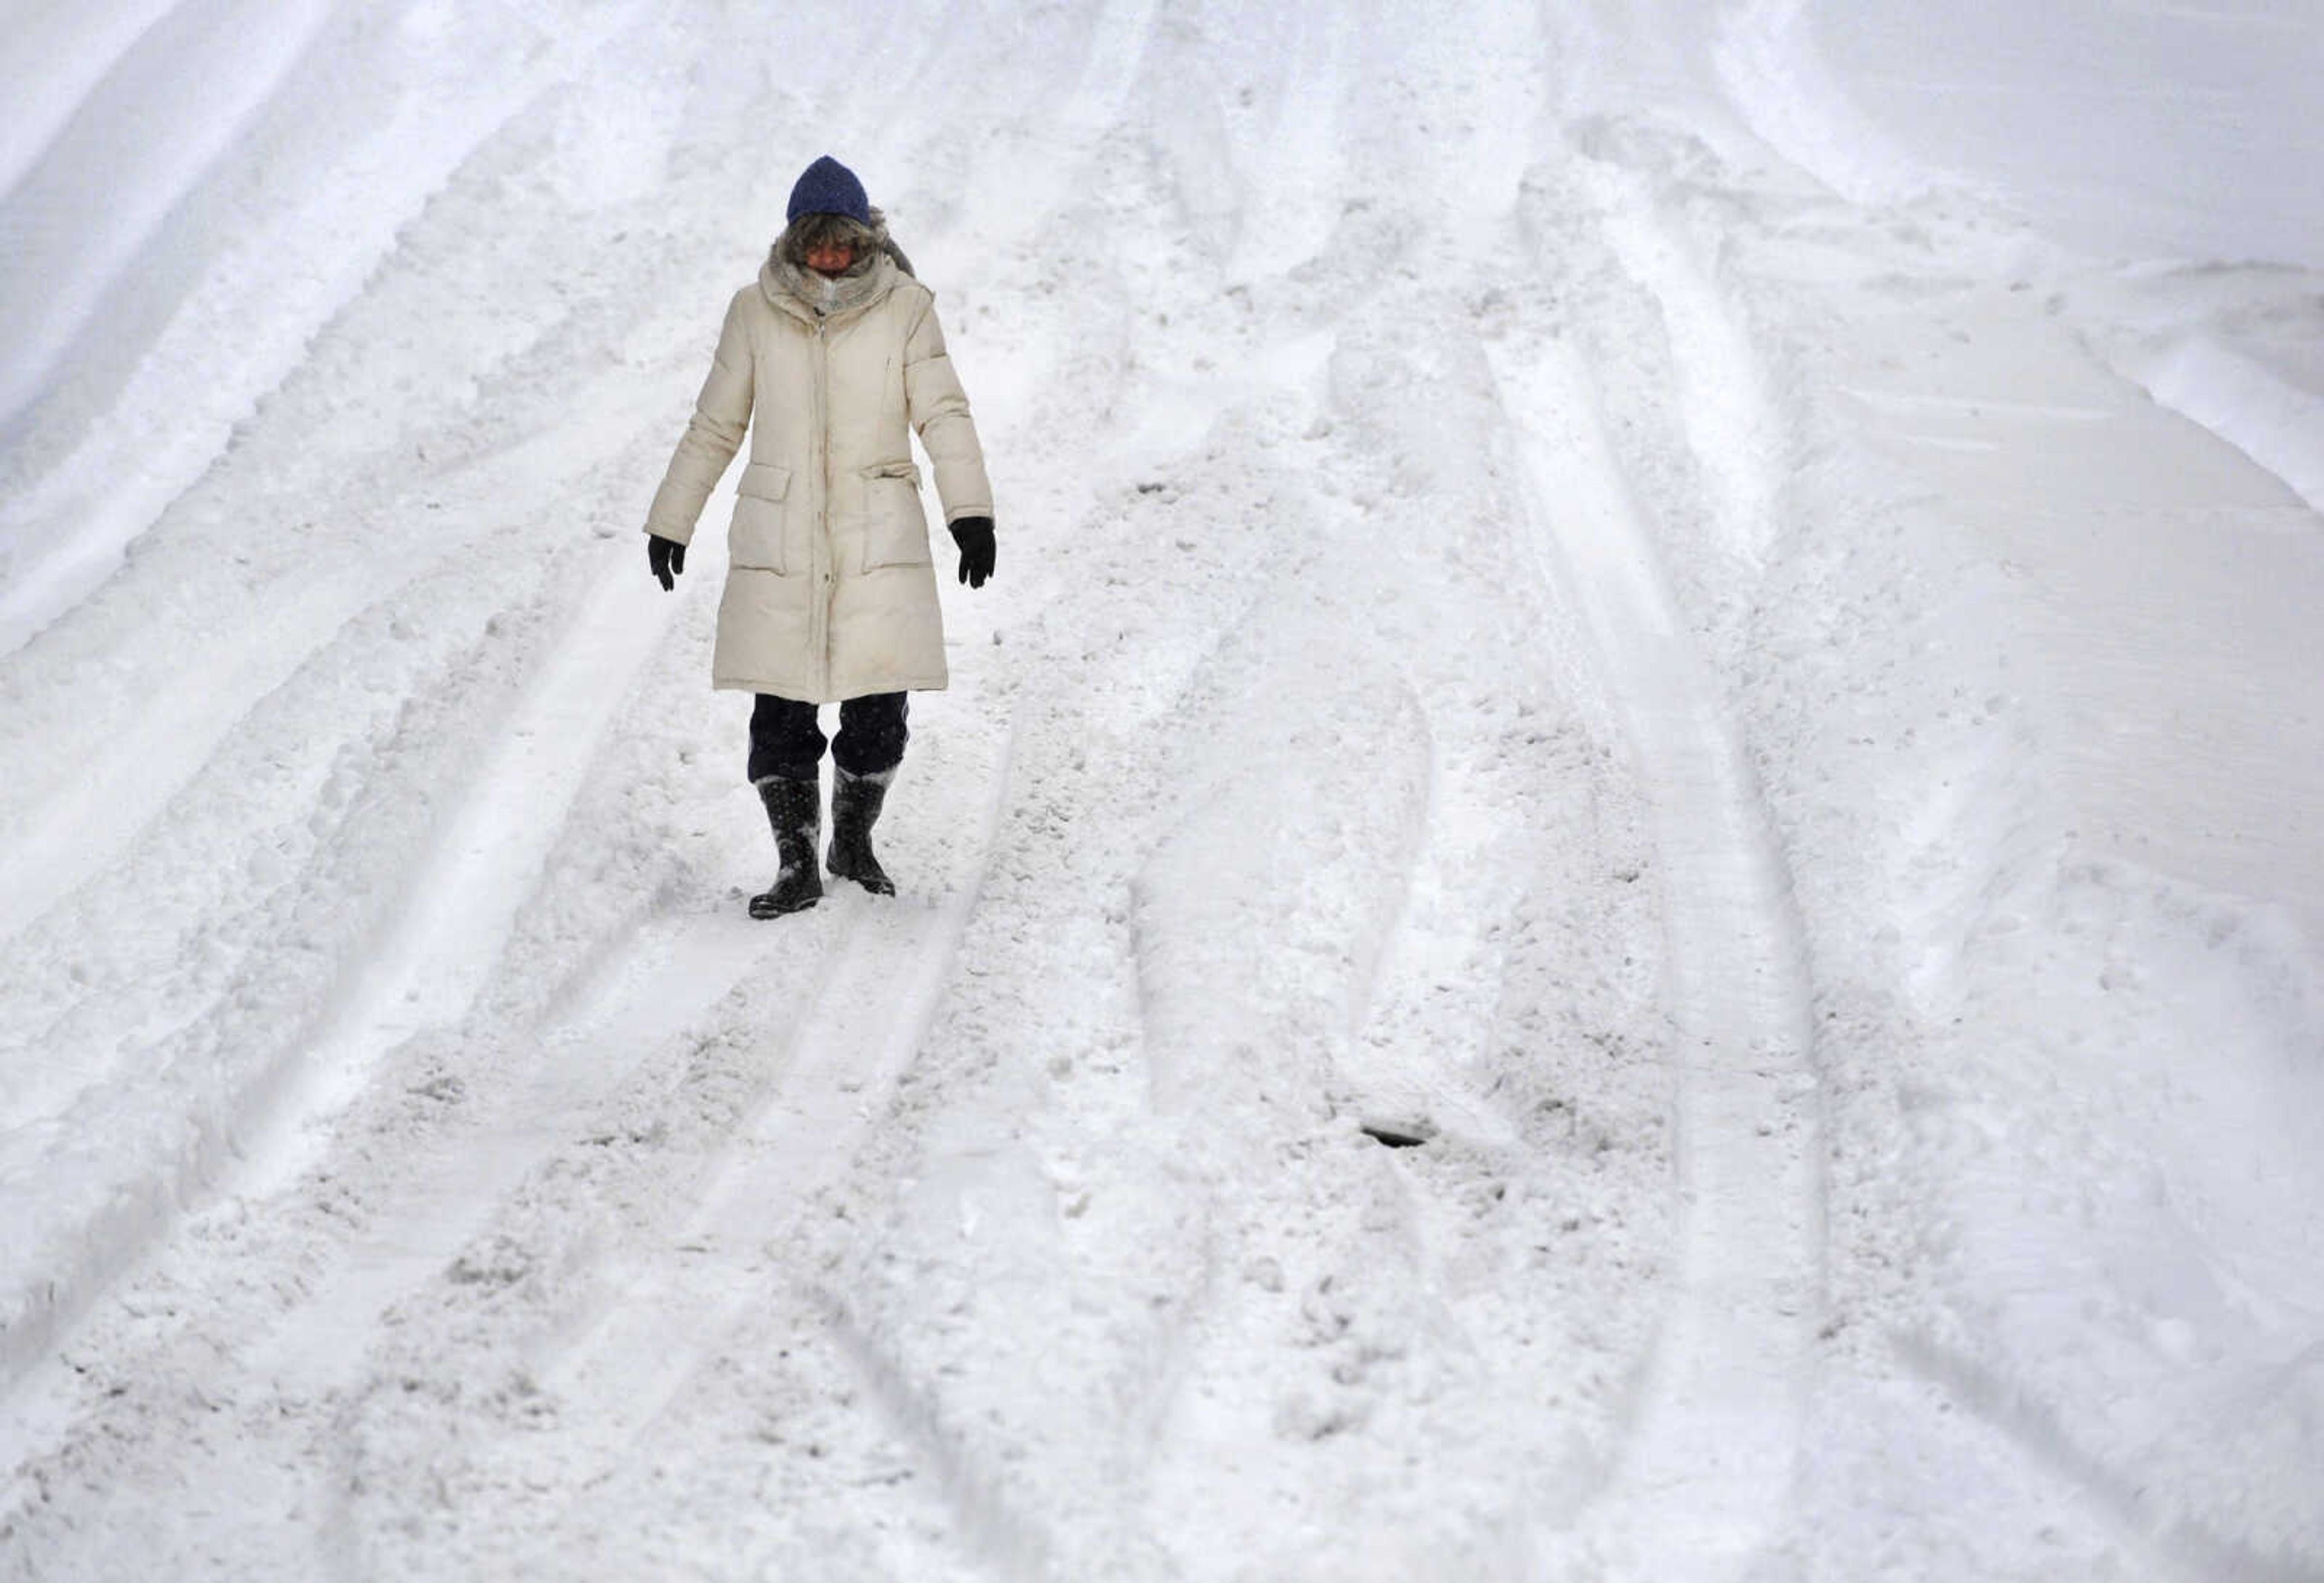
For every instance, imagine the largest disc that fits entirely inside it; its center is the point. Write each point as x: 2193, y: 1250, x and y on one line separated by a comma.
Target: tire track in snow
x: 265, y: 279
x: 259, y: 677
x: 437, y: 949
x: 697, y: 1292
x: 1704, y: 1475
x: 85, y: 825
x: 161, y: 741
x: 199, y: 76
x: 849, y: 1043
x: 2190, y: 1549
x: 438, y: 952
x: 1000, y: 1537
x: 1022, y: 191
x: 436, y: 1212
x: 1301, y: 159
x: 661, y: 982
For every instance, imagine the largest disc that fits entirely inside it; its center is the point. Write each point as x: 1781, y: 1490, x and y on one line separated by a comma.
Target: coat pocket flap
x: 764, y: 481
x: 907, y: 470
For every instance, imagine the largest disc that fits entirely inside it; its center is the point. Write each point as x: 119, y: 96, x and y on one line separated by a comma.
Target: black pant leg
x: 785, y: 740
x: 871, y: 734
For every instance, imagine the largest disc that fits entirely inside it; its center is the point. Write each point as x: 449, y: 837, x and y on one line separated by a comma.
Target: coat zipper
x: 827, y: 569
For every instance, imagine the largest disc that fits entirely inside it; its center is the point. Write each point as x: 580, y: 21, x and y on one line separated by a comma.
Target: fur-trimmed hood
x: 786, y: 273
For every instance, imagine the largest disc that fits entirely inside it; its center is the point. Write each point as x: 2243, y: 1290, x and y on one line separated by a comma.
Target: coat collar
x: 808, y: 296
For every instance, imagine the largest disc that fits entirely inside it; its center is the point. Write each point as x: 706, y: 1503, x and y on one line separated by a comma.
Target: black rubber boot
x: 855, y: 801
x: 795, y: 810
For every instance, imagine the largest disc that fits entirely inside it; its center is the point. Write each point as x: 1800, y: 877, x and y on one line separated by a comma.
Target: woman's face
x: 831, y: 259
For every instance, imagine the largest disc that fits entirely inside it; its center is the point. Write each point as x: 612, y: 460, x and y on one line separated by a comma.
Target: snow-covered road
x: 1622, y: 598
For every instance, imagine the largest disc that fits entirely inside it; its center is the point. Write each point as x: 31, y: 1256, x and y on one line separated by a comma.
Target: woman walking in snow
x: 831, y: 588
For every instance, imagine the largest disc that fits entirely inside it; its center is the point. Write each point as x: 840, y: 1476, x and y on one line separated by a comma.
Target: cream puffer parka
x: 831, y: 590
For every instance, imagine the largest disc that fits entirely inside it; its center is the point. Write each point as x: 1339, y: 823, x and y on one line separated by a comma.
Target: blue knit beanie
x: 829, y: 188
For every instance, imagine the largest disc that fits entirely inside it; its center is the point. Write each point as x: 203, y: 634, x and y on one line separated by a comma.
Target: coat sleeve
x: 721, y: 414
x: 938, y: 410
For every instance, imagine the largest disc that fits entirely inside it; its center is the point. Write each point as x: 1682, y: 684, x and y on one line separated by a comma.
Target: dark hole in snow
x: 1398, y: 1136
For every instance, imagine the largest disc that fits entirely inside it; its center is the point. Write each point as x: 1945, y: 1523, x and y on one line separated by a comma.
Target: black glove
x: 667, y: 556
x: 974, y: 537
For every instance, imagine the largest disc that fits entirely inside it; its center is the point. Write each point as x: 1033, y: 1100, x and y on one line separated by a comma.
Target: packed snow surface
x: 1623, y: 882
